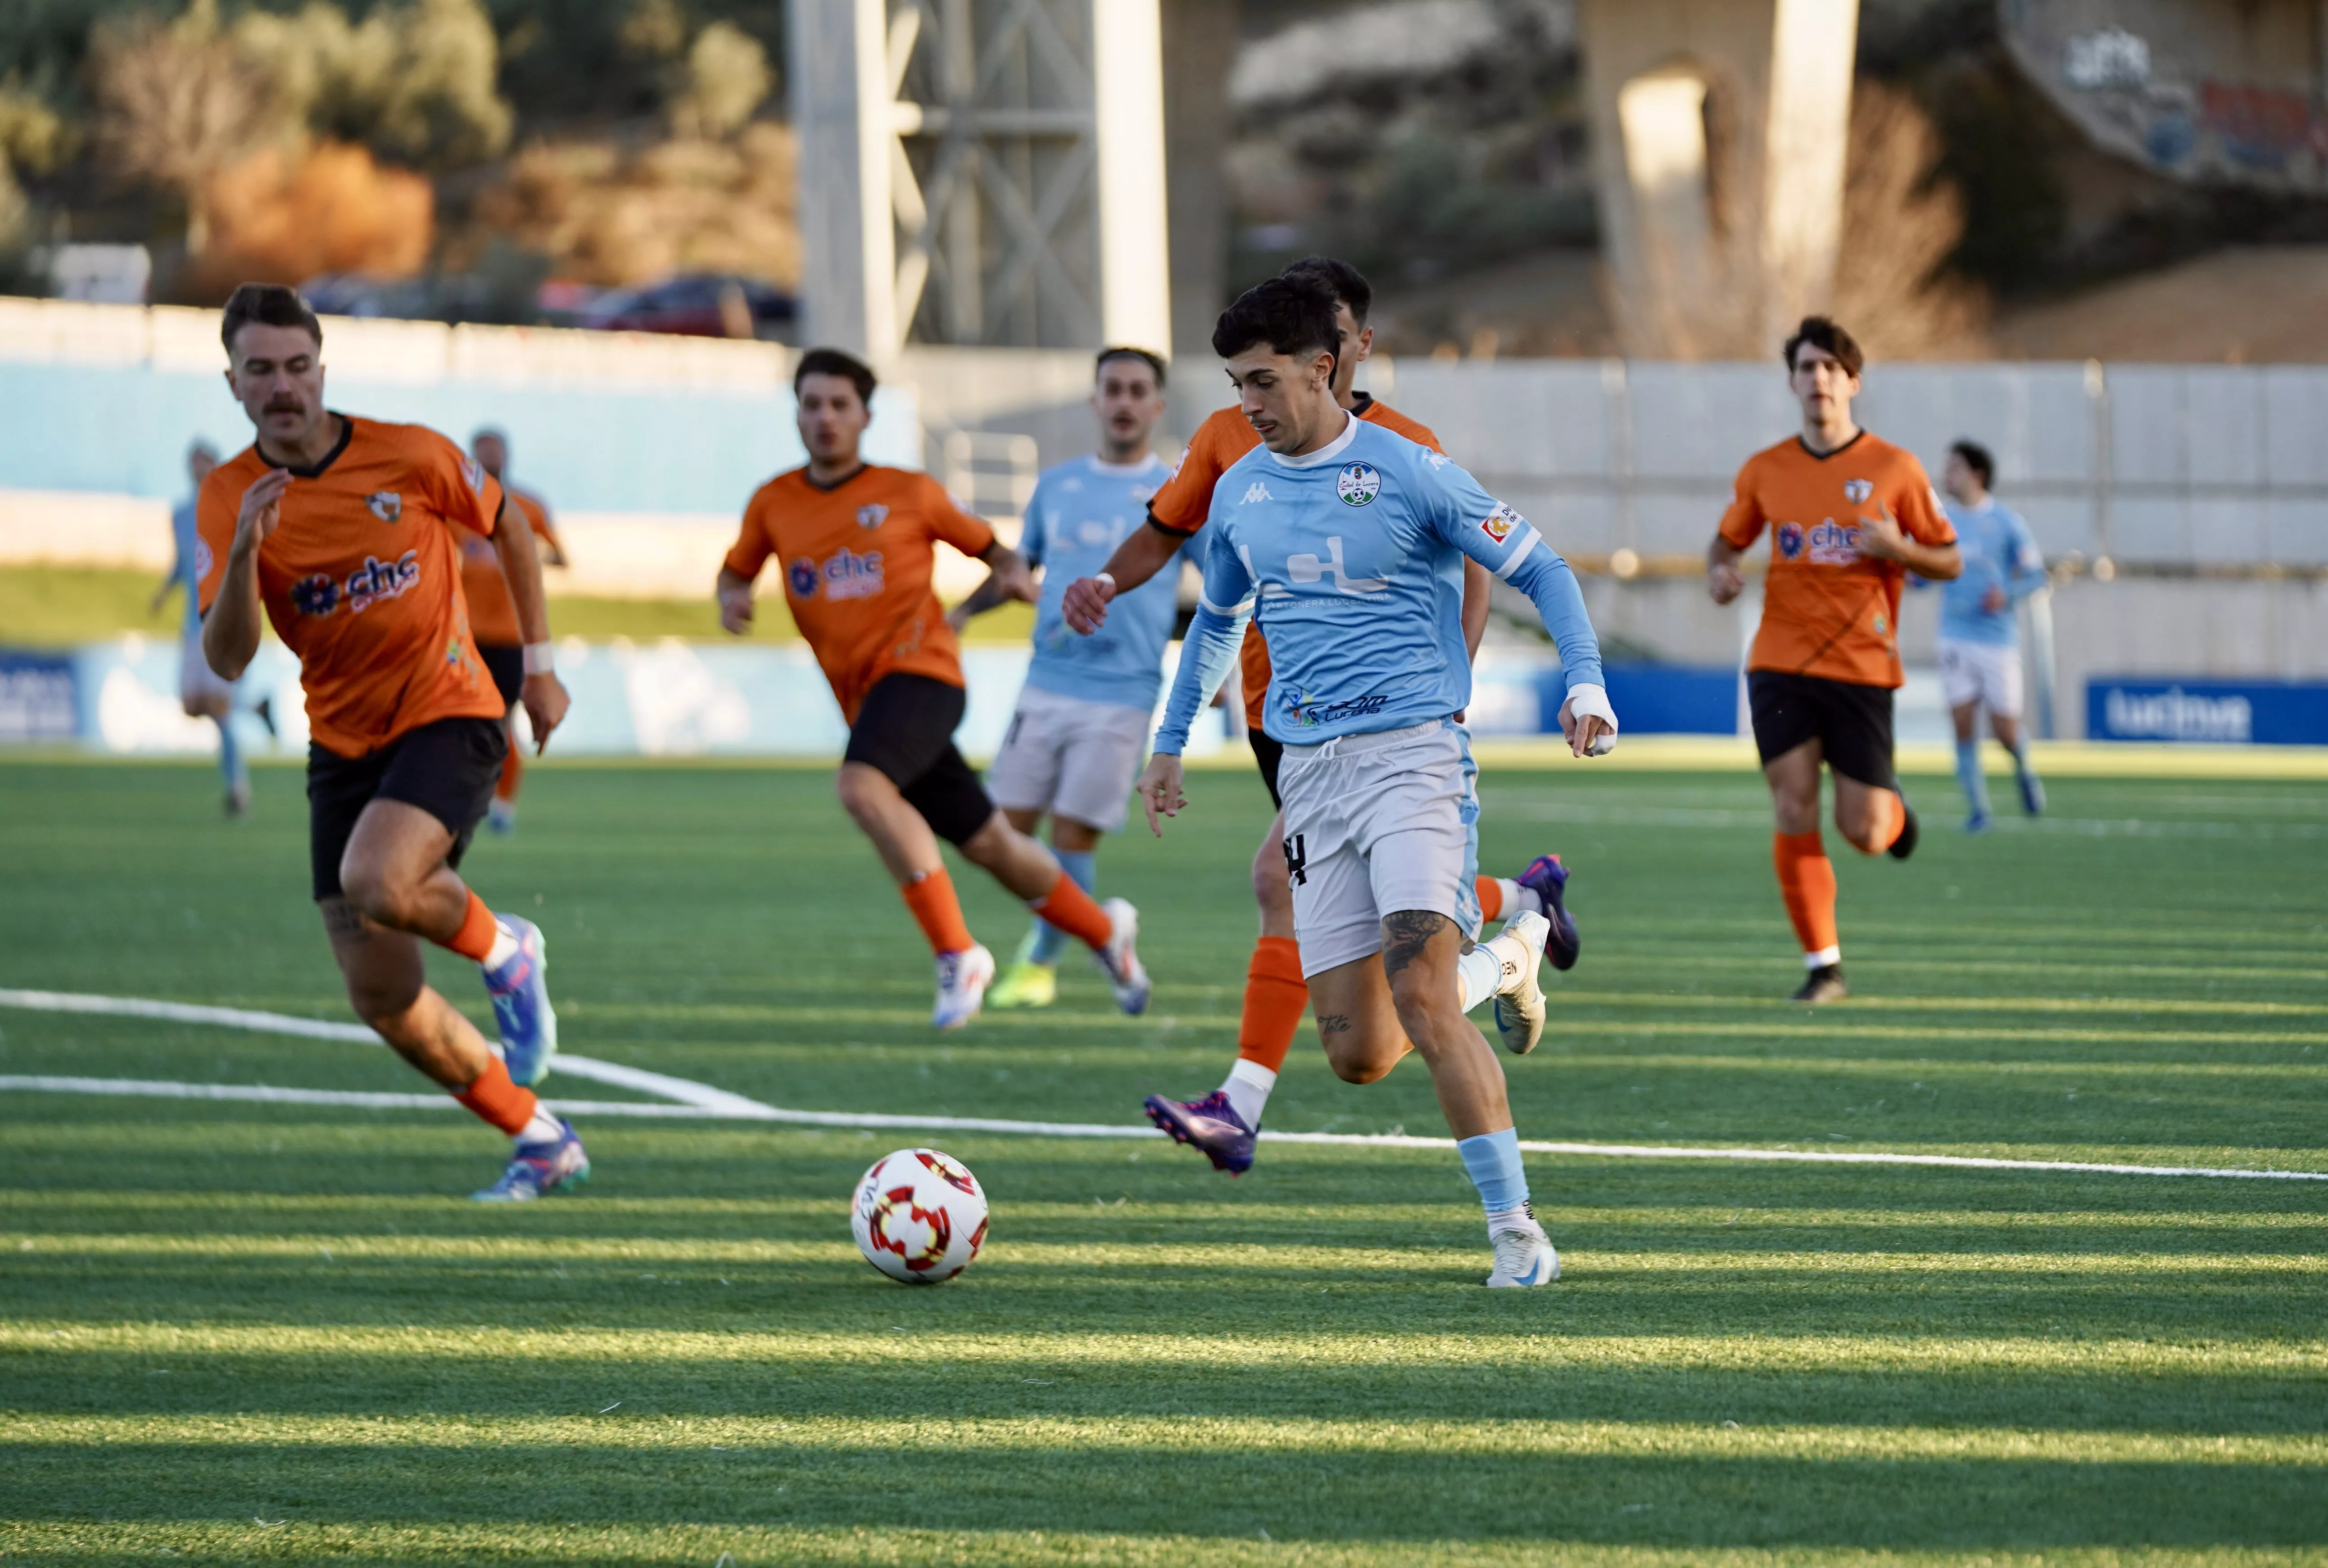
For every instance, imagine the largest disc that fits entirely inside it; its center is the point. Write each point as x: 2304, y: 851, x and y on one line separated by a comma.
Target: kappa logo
x: 374, y: 582
x: 872, y: 516
x: 1358, y: 485
x: 1502, y: 524
x: 1254, y: 491
x: 1855, y: 490
x: 1437, y: 460
x: 386, y: 504
x: 844, y: 574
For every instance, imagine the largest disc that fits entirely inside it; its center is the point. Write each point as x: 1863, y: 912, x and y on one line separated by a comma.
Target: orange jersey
x: 362, y: 579
x: 1187, y: 499
x: 1828, y: 610
x: 492, y: 614
x: 857, y: 561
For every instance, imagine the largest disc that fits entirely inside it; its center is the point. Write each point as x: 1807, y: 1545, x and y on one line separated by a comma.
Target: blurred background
x: 2092, y: 234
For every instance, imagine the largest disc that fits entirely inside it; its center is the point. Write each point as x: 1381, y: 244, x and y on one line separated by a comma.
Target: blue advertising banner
x: 38, y: 697
x: 2208, y: 712
x: 1655, y: 699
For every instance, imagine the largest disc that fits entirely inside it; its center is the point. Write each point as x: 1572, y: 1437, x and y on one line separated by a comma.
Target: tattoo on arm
x: 1406, y: 934
x: 1333, y: 1023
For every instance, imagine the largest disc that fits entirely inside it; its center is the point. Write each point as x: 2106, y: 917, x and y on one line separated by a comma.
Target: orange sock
x: 474, y: 940
x: 1490, y: 894
x: 1806, y: 882
x: 1075, y: 911
x: 938, y: 911
x: 499, y: 1100
x: 513, y: 770
x: 1274, y: 995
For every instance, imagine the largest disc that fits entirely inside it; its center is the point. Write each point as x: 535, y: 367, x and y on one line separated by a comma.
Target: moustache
x: 284, y: 405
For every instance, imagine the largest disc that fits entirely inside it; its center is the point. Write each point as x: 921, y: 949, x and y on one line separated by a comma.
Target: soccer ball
x: 920, y: 1217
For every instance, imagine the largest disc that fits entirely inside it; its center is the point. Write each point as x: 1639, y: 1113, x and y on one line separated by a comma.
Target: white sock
x: 1822, y: 958
x: 1247, y: 1086
x: 542, y: 1129
x: 1520, y: 1218
x: 1481, y: 973
x: 1522, y: 900
x: 504, y: 945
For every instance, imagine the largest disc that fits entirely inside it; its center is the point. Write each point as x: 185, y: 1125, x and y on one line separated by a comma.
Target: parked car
x: 696, y: 305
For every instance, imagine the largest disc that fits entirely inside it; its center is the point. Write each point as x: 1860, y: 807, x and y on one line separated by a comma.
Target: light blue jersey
x: 1351, y: 557
x: 1999, y: 552
x: 187, y: 569
x: 1081, y: 512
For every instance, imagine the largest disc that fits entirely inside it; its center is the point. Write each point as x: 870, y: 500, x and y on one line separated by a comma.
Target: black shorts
x: 446, y: 768
x: 906, y: 730
x: 1269, y: 754
x: 1851, y: 722
x: 507, y: 667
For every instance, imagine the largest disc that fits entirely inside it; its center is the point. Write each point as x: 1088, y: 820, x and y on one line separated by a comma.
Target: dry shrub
x: 283, y: 217
x: 607, y: 217
x: 1900, y: 225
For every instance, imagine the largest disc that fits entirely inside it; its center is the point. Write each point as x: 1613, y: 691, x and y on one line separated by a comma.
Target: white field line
x: 701, y: 1101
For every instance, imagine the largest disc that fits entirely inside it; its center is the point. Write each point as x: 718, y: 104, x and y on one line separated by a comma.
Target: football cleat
x: 1977, y: 823
x: 1823, y: 983
x: 962, y: 979
x: 1547, y: 879
x: 2032, y: 794
x: 529, y: 1024
x: 1026, y: 984
x: 1905, y: 844
x: 1519, y: 1000
x: 1120, y: 959
x: 501, y: 817
x: 1523, y: 1257
x: 1210, y: 1124
x: 536, y: 1169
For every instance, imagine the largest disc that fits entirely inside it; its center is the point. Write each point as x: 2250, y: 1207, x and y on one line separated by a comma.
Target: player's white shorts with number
x: 197, y: 681
x: 1988, y: 673
x: 1375, y: 825
x: 1071, y: 756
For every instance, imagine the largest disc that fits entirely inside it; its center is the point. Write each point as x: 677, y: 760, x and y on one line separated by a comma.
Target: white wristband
x: 1587, y: 701
x: 537, y: 659
x: 1107, y: 578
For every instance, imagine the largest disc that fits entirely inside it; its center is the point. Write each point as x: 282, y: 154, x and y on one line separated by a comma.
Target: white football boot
x: 1523, y: 1257
x: 1519, y: 1000
x: 1120, y: 960
x: 962, y: 979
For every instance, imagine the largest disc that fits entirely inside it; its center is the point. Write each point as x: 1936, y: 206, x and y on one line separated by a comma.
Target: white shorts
x: 1988, y: 673
x: 197, y: 681
x: 1070, y: 756
x: 1375, y: 825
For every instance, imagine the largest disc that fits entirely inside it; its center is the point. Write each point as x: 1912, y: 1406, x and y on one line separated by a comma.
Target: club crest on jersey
x: 1791, y: 539
x: 1502, y: 524
x: 1358, y: 485
x: 872, y: 516
x: 844, y: 574
x: 1855, y: 490
x: 385, y: 505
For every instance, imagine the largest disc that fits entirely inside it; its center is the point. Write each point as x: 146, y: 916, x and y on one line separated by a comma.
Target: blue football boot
x: 529, y: 1025
x: 1547, y: 879
x: 1211, y: 1124
x: 2032, y: 793
x: 536, y: 1169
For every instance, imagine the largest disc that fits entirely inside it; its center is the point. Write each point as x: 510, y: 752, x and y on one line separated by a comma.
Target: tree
x: 177, y: 104
x: 414, y: 83
x: 727, y: 78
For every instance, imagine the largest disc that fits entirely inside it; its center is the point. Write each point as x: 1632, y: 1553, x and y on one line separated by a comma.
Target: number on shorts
x: 1297, y: 861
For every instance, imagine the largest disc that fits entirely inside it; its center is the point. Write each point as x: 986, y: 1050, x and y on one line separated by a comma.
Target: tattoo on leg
x: 344, y: 923
x: 1333, y: 1023
x: 1407, y: 934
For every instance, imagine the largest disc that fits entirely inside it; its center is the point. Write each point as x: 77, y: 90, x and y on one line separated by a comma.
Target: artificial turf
x: 240, y: 1332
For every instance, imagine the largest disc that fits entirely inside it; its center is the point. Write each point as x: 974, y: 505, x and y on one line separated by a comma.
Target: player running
x: 344, y: 531
x: 856, y: 543
x: 1980, y: 636
x: 200, y: 692
x: 1850, y: 516
x: 1222, y: 1124
x: 1344, y: 539
x: 493, y: 614
x: 1080, y: 731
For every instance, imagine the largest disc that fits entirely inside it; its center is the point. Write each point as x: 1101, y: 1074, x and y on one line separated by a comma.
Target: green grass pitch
x: 249, y: 1332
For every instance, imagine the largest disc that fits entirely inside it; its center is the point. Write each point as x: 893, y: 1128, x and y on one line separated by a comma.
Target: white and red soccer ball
x: 920, y: 1217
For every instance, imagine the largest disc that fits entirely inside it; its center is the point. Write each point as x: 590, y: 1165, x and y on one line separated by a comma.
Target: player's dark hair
x: 833, y: 362
x: 1348, y: 283
x: 269, y: 304
x: 1976, y: 458
x: 1293, y: 315
x: 1825, y: 332
x: 1153, y: 361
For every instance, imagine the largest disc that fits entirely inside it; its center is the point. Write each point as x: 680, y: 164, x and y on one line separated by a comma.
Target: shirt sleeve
x: 752, y: 546
x: 1215, y: 637
x: 1031, y: 531
x: 1918, y: 507
x: 1187, y: 497
x: 1742, y: 520
x: 537, y: 515
x: 1500, y: 540
x: 2024, y: 573
x: 972, y: 536
x: 215, y: 512
x: 458, y: 486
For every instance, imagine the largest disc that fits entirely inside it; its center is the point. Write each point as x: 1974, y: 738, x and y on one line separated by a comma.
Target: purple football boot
x: 1211, y: 1124
x: 1547, y: 879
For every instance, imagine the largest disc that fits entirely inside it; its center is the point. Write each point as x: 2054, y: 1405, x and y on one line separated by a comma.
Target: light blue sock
x: 231, y: 756
x: 1968, y: 774
x: 1493, y: 1159
x: 1082, y: 867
